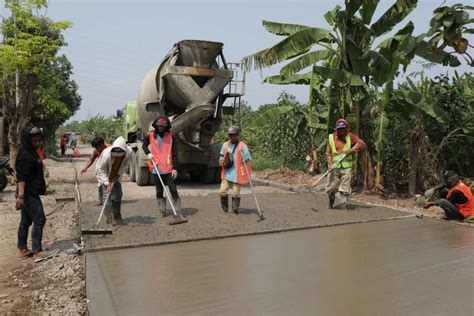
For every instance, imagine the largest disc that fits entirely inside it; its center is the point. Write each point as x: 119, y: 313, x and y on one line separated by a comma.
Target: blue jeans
x: 31, y: 213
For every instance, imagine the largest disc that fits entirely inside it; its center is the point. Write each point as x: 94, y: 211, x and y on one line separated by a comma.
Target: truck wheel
x: 142, y: 176
x: 207, y: 175
x: 217, y: 176
x: 133, y: 168
x: 195, y: 175
x: 3, y: 182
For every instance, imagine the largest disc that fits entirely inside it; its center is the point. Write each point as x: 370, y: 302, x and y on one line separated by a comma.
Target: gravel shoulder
x: 55, y: 286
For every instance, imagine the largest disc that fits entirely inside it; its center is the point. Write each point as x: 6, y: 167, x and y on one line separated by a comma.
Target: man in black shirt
x: 30, y: 185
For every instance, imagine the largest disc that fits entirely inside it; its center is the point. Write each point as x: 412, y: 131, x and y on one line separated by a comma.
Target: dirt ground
x: 55, y: 286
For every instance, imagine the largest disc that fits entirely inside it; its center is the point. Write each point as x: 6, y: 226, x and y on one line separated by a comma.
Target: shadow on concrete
x: 189, y: 211
x: 147, y: 220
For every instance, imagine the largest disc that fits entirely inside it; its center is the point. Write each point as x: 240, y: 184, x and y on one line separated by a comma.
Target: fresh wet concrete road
x: 399, y: 267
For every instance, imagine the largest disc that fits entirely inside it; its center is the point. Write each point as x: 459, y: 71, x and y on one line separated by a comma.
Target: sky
x: 114, y: 43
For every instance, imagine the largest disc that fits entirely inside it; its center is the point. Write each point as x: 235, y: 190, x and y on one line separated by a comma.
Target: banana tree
x: 354, y: 70
x: 449, y: 27
x: 343, y: 57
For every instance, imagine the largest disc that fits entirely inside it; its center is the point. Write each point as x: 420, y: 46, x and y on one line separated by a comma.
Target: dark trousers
x: 450, y: 210
x: 167, y: 180
x: 31, y: 213
x: 63, y: 150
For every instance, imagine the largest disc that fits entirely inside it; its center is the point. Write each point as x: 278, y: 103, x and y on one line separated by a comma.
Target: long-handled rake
x: 310, y: 188
x: 99, y: 231
x: 178, y: 219
x: 260, y: 214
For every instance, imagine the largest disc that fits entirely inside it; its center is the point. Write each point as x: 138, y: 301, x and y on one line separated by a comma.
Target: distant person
x: 30, y: 185
x: 112, y: 164
x: 162, y: 148
x: 234, y: 153
x: 341, y: 142
x: 62, y: 144
x: 73, y: 145
x: 455, y: 198
x: 99, y: 145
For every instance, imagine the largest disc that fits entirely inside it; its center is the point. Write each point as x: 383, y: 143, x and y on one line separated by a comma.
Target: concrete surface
x: 283, y: 211
x: 400, y: 267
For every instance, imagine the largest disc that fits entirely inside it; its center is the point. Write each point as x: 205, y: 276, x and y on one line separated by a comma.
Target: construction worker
x: 30, y: 185
x: 62, y: 144
x: 164, y: 152
x: 99, y: 145
x: 234, y: 153
x: 113, y: 162
x: 341, y: 142
x: 455, y: 198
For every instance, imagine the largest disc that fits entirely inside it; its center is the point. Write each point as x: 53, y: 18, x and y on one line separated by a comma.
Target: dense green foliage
x: 107, y: 127
x: 353, y: 70
x: 35, y: 85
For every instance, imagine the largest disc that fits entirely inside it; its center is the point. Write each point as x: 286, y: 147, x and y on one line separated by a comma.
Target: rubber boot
x: 177, y: 206
x: 108, y: 215
x: 343, y: 199
x: 116, y: 209
x: 235, y: 205
x: 332, y: 198
x: 161, y: 206
x: 225, y: 203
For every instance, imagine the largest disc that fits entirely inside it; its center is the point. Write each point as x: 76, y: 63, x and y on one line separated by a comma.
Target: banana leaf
x: 283, y: 29
x: 292, y: 46
x: 291, y: 79
x: 271, y: 115
x: 304, y: 61
x: 395, y: 14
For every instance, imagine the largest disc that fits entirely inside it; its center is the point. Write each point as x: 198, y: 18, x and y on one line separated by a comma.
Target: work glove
x: 429, y: 193
x: 150, y: 156
x: 174, y: 174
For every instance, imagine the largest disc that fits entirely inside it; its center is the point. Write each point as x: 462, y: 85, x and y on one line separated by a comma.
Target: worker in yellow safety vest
x: 341, y: 142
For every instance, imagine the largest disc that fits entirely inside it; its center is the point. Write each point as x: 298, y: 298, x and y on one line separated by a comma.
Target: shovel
x: 260, y: 214
x: 99, y: 231
x: 178, y: 219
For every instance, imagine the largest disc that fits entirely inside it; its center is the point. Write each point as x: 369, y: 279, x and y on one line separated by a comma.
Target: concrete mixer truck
x: 190, y: 87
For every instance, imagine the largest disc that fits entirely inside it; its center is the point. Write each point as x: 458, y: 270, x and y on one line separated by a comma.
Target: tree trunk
x: 17, y: 115
x: 414, y: 157
x: 13, y: 142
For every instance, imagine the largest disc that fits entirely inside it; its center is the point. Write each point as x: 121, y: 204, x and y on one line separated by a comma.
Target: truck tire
x: 142, y: 176
x: 208, y: 174
x: 195, y: 175
x: 133, y: 168
x: 217, y: 176
x: 151, y: 180
x: 3, y: 182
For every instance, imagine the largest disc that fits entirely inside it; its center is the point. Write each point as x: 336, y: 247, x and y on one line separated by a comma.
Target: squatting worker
x: 164, y: 152
x: 341, y: 142
x: 30, y: 185
x: 455, y: 198
x: 113, y: 163
x: 234, y: 153
x: 99, y: 145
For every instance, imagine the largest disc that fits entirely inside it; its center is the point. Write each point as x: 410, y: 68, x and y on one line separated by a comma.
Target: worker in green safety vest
x: 341, y: 142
